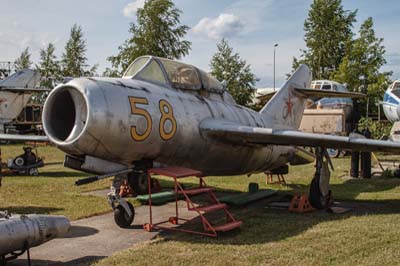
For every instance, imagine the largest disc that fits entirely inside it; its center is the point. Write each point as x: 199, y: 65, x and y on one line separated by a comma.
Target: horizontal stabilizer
x: 316, y: 94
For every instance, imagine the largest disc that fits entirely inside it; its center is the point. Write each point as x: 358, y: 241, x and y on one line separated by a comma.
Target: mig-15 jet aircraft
x: 170, y: 113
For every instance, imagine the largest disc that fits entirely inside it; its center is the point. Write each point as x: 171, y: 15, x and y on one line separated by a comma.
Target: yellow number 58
x: 142, y: 112
x: 167, y: 114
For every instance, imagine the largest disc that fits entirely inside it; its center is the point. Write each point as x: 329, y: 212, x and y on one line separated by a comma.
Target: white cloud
x: 225, y: 25
x: 130, y: 9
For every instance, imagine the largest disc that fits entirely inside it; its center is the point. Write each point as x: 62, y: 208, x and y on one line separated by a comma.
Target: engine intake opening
x: 65, y: 114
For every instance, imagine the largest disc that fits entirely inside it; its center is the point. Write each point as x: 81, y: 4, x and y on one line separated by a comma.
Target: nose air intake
x: 65, y: 114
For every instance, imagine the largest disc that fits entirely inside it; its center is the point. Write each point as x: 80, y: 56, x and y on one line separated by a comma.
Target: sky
x: 252, y: 27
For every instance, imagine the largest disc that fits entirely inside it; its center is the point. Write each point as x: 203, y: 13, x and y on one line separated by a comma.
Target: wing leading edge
x: 15, y: 137
x: 232, y: 132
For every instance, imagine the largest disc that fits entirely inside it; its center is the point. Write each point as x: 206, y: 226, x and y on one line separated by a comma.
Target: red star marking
x: 289, y: 105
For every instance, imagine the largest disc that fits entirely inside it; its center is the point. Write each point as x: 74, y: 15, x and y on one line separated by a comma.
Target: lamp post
x: 275, y: 45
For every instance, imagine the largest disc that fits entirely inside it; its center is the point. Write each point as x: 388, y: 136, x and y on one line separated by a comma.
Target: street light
x: 275, y: 45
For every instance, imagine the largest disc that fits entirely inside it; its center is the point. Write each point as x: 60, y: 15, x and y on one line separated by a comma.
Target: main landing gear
x: 320, y: 195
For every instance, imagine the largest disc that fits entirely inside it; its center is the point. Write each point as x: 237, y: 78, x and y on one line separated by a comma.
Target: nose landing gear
x: 124, y: 212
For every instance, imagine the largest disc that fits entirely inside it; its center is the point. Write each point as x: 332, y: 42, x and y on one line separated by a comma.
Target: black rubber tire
x: 19, y: 161
x: 33, y: 172
x: 315, y: 195
x: 121, y: 218
x: 138, y: 182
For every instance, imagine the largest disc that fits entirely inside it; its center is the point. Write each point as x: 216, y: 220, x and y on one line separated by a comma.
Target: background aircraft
x: 391, y: 102
x: 15, y: 92
x: 171, y: 113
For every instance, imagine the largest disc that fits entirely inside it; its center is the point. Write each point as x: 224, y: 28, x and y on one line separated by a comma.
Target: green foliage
x: 327, y: 32
x: 74, y: 61
x: 23, y: 61
x: 50, y: 70
x: 377, y: 128
x: 230, y: 69
x: 360, y: 68
x: 157, y: 32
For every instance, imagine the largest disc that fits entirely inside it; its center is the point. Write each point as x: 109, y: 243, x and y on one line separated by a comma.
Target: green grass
x: 53, y: 191
x: 368, y: 235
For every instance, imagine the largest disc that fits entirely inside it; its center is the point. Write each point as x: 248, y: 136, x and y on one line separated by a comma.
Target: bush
x: 378, y: 129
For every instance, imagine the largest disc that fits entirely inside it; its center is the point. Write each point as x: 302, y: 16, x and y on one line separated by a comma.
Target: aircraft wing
x: 226, y: 131
x: 15, y: 137
x: 17, y: 89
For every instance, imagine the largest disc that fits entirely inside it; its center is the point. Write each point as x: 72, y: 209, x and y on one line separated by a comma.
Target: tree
x: 230, y: 69
x: 74, y: 61
x: 23, y: 61
x: 360, y: 68
x: 328, y: 29
x: 50, y: 71
x: 157, y: 33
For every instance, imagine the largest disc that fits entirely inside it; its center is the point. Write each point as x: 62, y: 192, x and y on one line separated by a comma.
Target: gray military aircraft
x: 15, y: 92
x: 170, y: 113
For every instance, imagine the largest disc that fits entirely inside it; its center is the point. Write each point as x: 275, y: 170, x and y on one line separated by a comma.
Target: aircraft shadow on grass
x: 263, y: 225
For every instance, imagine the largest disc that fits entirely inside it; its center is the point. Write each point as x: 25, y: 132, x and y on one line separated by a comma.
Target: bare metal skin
x: 164, y: 112
x: 101, y: 126
x: 131, y: 119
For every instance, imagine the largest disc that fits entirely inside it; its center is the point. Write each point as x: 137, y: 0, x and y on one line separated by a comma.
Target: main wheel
x: 33, y: 172
x: 315, y: 195
x: 138, y: 182
x: 121, y: 217
x: 19, y: 161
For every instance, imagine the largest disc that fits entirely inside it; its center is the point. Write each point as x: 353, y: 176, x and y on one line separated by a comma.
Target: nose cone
x: 65, y: 114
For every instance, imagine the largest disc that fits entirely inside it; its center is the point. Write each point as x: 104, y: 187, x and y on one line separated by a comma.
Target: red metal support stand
x: 208, y: 228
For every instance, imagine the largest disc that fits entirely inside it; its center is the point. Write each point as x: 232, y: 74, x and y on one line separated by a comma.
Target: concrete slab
x: 98, y: 237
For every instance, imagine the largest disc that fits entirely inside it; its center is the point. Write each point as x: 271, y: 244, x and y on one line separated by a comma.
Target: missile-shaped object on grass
x: 19, y: 232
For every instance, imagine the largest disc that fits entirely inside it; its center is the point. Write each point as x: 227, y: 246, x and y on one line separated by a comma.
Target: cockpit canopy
x: 172, y: 74
x: 395, y: 88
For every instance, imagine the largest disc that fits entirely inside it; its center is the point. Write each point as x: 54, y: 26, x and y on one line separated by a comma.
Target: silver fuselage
x: 96, y: 117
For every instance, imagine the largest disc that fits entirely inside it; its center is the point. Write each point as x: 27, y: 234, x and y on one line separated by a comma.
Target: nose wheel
x: 121, y: 217
x: 124, y: 212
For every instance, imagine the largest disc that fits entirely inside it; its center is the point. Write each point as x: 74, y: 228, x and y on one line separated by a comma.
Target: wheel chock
x: 173, y: 220
x: 148, y: 227
x: 300, y: 204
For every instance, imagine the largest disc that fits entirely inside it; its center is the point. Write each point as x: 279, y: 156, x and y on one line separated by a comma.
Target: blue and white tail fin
x: 286, y: 107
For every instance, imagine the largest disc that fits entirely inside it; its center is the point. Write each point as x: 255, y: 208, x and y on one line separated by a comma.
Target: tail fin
x: 285, y: 109
x: 23, y: 79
